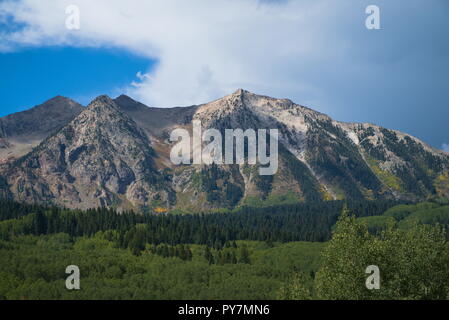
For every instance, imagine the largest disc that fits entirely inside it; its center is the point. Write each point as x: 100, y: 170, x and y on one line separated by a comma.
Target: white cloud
x: 445, y: 147
x: 317, y: 53
x: 204, y: 49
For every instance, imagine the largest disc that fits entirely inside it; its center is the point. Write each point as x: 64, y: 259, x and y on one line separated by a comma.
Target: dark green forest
x: 314, y: 250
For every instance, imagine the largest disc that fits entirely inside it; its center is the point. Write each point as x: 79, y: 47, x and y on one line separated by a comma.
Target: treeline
x: 298, y: 222
x: 14, y: 210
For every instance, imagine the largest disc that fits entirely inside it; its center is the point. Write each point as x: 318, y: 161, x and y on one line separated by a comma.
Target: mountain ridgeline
x: 116, y: 153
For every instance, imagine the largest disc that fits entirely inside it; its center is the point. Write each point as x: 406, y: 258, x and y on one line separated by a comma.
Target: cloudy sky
x: 175, y: 53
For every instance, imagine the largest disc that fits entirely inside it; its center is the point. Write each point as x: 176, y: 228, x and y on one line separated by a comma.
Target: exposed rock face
x: 116, y: 153
x: 101, y: 158
x: 21, y: 132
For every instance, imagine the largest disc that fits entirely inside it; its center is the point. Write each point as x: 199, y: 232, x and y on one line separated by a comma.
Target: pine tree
x: 208, y: 255
x: 233, y: 258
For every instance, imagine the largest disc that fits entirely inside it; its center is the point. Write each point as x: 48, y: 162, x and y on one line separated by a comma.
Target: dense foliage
x: 412, y: 262
x: 33, y: 267
x: 250, y: 253
x: 296, y: 222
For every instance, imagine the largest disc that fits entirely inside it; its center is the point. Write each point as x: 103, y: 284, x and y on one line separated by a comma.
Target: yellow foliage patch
x: 442, y: 184
x: 160, y: 210
x: 386, y: 177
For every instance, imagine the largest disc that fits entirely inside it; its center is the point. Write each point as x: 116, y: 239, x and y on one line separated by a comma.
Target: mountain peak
x: 22, y: 131
x: 124, y: 97
x: 58, y: 98
x: 102, y: 99
x: 42, y: 118
x: 102, y: 103
x: 104, y: 158
x: 58, y: 103
x: 240, y: 91
x: 111, y: 153
x: 127, y: 103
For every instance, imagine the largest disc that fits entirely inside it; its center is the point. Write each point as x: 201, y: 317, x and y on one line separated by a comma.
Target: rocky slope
x: 116, y: 153
x: 101, y: 158
x: 21, y: 132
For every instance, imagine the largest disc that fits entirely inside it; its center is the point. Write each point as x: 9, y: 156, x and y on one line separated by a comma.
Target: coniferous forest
x: 297, y: 251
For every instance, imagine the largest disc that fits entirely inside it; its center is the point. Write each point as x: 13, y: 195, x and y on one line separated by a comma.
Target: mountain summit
x: 22, y: 131
x: 115, y: 153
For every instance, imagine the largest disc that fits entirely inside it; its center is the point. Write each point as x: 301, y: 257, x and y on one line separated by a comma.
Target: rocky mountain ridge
x: 116, y: 153
x: 21, y: 132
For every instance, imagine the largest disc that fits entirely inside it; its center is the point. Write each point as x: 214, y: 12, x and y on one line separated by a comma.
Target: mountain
x: 116, y: 153
x: 100, y: 158
x: 21, y: 132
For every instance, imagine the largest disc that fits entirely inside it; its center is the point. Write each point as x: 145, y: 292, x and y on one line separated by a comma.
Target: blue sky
x: 31, y: 76
x: 317, y: 53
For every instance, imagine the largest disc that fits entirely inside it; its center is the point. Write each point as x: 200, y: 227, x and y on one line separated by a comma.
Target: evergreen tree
x: 208, y: 255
